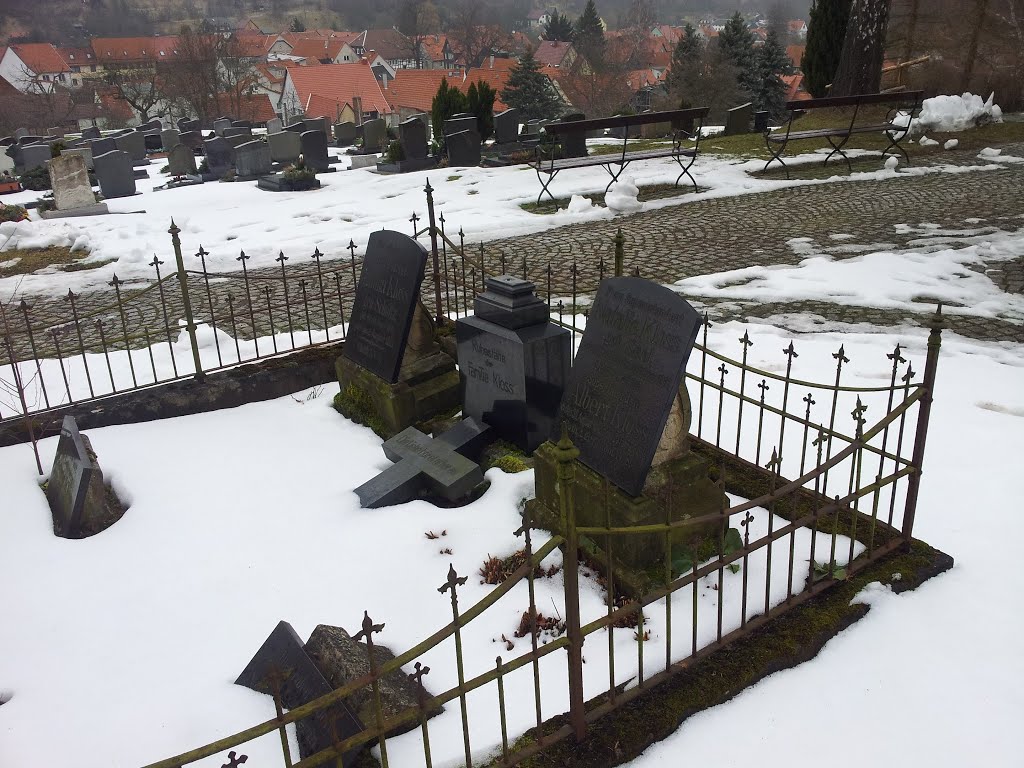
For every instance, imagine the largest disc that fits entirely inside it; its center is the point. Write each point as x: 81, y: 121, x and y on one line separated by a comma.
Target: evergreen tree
x: 825, y: 33
x: 736, y: 42
x: 297, y: 26
x: 770, y: 61
x: 480, y: 101
x: 685, y: 58
x: 559, y: 27
x: 447, y: 102
x: 529, y: 90
x: 589, y: 35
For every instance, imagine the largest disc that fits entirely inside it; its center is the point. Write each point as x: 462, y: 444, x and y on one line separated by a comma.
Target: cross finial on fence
x: 858, y: 416
x: 723, y: 370
x: 763, y: 386
x: 155, y: 262
x: 841, y: 355
x: 369, y: 628
x: 233, y: 761
x: 909, y: 375
x: 810, y: 401
x: 417, y: 676
x: 895, y: 356
x: 24, y: 305
x: 316, y: 255
x: 242, y: 258
x: 790, y: 352
x: 281, y: 258
x: 775, y: 461
x: 454, y: 580
x: 707, y: 321
x: 745, y: 339
x: 428, y: 189
x: 202, y: 252
x: 115, y: 281
x: 71, y: 295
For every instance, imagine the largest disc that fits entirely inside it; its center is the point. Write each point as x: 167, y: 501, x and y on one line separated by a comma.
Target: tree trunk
x: 972, y: 47
x: 860, y: 66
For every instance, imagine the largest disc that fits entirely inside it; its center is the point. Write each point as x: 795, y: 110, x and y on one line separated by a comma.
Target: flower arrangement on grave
x: 299, y: 176
x: 13, y: 213
x: 395, y: 152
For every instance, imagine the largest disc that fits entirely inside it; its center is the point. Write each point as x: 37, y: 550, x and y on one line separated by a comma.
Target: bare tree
x: 416, y: 20
x: 138, y: 85
x: 471, y: 39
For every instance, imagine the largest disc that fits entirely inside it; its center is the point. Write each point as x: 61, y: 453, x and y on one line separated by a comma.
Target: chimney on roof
x: 492, y: 61
x: 357, y: 106
x: 384, y: 79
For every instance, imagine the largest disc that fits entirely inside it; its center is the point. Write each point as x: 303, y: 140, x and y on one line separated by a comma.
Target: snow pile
x: 988, y: 153
x: 926, y: 142
x: 946, y: 114
x: 891, y: 163
x: 951, y: 144
x: 621, y: 198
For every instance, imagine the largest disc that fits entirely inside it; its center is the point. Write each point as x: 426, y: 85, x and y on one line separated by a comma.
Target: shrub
x: 38, y: 179
x: 395, y: 152
x: 298, y: 176
x: 13, y: 213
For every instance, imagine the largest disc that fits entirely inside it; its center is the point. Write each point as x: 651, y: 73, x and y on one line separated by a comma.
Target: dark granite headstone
x: 185, y: 126
x: 314, y: 150
x: 227, y: 133
x: 153, y: 141
x: 761, y: 121
x: 134, y: 144
x: 35, y: 156
x: 285, y: 146
x: 385, y: 302
x: 274, y: 126
x: 626, y: 376
x: 242, y: 124
x: 281, y: 661
x: 459, y: 124
x: 439, y: 465
x: 78, y: 498
x: 296, y: 126
x: 252, y: 158
x: 32, y: 140
x: 114, y: 174
x: 236, y: 141
x: 513, y: 362
x: 463, y: 149
x: 170, y: 138
x: 316, y: 124
x: 192, y: 139
x: 152, y: 125
x: 375, y: 135
x: 737, y: 119
x: 506, y: 126
x: 344, y: 134
x: 221, y: 125
x: 92, y: 132
x: 182, y: 161
x: 102, y: 146
x: 218, y: 156
x: 574, y: 144
x: 412, y: 133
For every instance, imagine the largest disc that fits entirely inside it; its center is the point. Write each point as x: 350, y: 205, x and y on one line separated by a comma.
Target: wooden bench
x: 903, y: 106
x: 686, y: 125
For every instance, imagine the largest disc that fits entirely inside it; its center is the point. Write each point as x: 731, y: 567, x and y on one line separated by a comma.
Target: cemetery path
x: 698, y: 237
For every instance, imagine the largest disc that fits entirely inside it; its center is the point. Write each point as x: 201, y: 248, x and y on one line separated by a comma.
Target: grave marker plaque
x: 413, y: 135
x: 114, y: 173
x: 344, y: 133
x: 314, y: 150
x: 69, y: 178
x: 92, y: 132
x: 285, y: 146
x: 218, y: 156
x: 625, y: 377
x: 79, y: 500
x: 737, y: 119
x: 35, y: 156
x: 385, y: 301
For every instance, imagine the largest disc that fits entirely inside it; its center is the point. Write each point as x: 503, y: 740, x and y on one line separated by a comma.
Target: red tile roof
x: 115, y: 50
x: 497, y: 78
x: 552, y: 52
x: 254, y: 45
x: 77, y: 57
x: 40, y: 57
x: 318, y: 48
x: 795, y: 53
x: 389, y: 43
x: 795, y: 87
x: 257, y: 108
x: 416, y: 88
x: 338, y: 84
x: 433, y: 47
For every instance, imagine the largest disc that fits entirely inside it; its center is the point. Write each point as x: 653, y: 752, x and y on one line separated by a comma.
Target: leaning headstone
x: 314, y: 150
x: 343, y: 659
x: 92, y: 132
x: 514, y: 362
x: 102, y: 146
x: 219, y: 126
x: 170, y: 138
x: 79, y: 500
x: 273, y: 125
x: 182, y: 161
x: 441, y: 466
x: 84, y: 152
x: 236, y: 141
x: 72, y: 190
x: 191, y: 139
x: 184, y: 126
x: 626, y: 376
x: 574, y: 144
x: 344, y: 134
x: 737, y: 119
x: 55, y: 131
x: 218, y: 156
x: 506, y: 126
x: 316, y: 124
x: 114, y: 174
x: 375, y: 134
x: 134, y: 144
x: 412, y: 133
x: 285, y: 146
x: 252, y: 159
x: 35, y: 156
x: 282, y: 666
x: 463, y: 149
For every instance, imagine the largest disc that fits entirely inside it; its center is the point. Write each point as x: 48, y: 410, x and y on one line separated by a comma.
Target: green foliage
x: 12, y: 213
x: 589, y: 36
x: 298, y: 176
x: 770, y: 60
x: 480, y: 101
x: 825, y: 33
x: 736, y: 42
x: 395, y: 152
x: 355, y: 404
x: 530, y: 91
x: 38, y: 179
x: 559, y: 27
x: 56, y: 148
x: 296, y: 26
x: 684, y: 559
x: 447, y: 101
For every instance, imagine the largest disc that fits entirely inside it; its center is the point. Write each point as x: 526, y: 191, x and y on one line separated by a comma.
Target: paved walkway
x: 692, y: 238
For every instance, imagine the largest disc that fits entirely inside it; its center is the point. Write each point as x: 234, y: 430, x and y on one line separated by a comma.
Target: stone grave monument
x: 242, y: 124
x: 252, y: 159
x: 574, y: 144
x: 72, y: 191
x: 35, y: 156
x: 392, y: 370
x: 626, y: 410
x: 285, y: 147
x: 463, y: 149
x: 169, y: 138
x: 761, y: 121
x: 83, y: 151
x: 513, y: 361
x: 114, y: 174
x: 102, y: 146
x: 218, y: 158
x: 737, y: 119
x: 92, y: 132
x: 135, y: 145
x: 221, y: 125
x: 443, y: 467
x: 273, y: 126
x: 314, y: 150
x: 79, y: 500
x: 316, y: 124
x: 458, y: 124
x: 344, y: 134
x: 182, y: 161
x: 192, y: 139
x: 375, y: 135
x: 506, y: 127
x: 186, y: 126
x: 412, y: 136
x: 282, y: 665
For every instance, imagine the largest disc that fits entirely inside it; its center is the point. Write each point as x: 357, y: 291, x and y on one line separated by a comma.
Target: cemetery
x: 487, y: 485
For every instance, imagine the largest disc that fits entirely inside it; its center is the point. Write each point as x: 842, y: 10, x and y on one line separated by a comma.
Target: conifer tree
x: 685, y: 58
x: 589, y: 35
x: 770, y: 61
x: 480, y: 101
x: 559, y: 27
x: 736, y: 42
x: 529, y: 90
x: 825, y: 33
x: 447, y: 102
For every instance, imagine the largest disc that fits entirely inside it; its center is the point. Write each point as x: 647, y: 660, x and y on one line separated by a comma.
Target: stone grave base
x: 365, y: 161
x: 426, y: 388
x: 140, y: 173
x: 98, y: 209
x: 186, y: 181
x: 407, y: 166
x: 278, y: 183
x: 638, y: 559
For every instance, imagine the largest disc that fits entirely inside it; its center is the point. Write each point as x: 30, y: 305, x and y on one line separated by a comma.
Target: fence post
x: 566, y: 454
x: 190, y: 323
x: 936, y: 323
x: 433, y: 252
x: 620, y: 243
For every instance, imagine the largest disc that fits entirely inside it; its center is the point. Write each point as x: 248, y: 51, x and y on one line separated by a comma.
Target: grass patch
x: 634, y: 145
x: 29, y: 260
x: 647, y: 192
x: 455, y: 177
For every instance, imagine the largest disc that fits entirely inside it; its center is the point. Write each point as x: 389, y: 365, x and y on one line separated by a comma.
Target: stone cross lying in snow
x: 438, y: 464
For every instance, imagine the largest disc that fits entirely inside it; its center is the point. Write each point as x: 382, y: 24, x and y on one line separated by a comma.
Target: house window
x: 76, y: 69
x: 92, y: 68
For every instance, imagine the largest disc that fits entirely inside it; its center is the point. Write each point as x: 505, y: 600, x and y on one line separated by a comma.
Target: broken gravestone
x: 80, y: 502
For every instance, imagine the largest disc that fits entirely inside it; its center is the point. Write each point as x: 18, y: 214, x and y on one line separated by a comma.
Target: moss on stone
x: 353, y: 403
x: 506, y: 457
